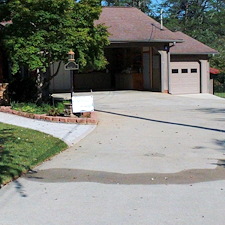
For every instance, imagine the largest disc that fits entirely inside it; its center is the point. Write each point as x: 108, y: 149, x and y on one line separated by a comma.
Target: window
x: 174, y: 70
x: 193, y: 70
x: 184, y: 70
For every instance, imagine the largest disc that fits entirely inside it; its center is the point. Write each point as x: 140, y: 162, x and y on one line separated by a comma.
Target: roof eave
x: 116, y: 41
x: 195, y: 53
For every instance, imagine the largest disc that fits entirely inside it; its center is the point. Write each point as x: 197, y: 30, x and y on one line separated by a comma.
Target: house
x: 144, y: 55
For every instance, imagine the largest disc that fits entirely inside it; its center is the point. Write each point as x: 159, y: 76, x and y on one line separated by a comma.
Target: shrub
x: 22, y: 89
x: 42, y: 109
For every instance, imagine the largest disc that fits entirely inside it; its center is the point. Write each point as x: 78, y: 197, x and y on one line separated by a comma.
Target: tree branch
x: 53, y: 75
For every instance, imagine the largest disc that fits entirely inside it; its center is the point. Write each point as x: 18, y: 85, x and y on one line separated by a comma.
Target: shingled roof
x: 128, y: 24
x: 190, y: 46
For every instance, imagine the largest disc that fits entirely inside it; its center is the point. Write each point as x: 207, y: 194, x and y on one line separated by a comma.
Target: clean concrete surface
x: 153, y: 159
x: 69, y: 133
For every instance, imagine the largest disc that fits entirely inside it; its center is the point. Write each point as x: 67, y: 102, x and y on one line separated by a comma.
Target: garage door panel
x: 185, y: 78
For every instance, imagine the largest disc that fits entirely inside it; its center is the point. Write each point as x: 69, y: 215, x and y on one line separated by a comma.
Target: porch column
x: 204, y: 68
x: 164, y: 72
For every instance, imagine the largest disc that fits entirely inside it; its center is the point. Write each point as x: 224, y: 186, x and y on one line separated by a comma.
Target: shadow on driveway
x: 161, y: 121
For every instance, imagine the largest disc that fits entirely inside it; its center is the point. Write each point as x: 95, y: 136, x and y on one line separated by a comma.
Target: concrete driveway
x: 153, y: 159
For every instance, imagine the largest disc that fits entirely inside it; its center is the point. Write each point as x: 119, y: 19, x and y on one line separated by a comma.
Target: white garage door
x: 184, y: 78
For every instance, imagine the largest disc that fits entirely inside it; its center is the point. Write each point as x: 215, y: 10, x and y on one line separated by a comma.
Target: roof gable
x: 131, y: 24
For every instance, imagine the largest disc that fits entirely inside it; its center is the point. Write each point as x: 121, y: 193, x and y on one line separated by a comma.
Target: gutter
x: 195, y: 53
x: 116, y: 41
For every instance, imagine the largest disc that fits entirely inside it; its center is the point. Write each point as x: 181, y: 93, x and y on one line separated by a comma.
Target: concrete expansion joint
x: 92, y: 120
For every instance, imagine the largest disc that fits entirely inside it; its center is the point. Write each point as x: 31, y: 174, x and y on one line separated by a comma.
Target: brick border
x: 92, y: 119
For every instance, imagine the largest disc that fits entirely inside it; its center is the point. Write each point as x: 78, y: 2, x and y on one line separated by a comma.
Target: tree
x: 202, y: 20
x: 42, y: 32
x: 143, y: 5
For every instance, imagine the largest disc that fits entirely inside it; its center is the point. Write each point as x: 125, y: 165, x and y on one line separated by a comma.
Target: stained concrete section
x: 63, y: 175
x: 154, y: 159
x: 69, y: 133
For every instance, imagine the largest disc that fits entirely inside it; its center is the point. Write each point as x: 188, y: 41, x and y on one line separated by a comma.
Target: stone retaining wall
x: 91, y: 120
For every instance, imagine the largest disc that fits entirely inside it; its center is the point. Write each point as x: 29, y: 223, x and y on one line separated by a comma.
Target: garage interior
x: 133, y: 68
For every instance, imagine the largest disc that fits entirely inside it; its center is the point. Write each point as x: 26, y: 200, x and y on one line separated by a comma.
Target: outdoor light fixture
x: 71, y: 55
x: 71, y: 65
x: 166, y: 48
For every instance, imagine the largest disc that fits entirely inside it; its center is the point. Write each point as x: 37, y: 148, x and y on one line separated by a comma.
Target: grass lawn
x: 21, y: 149
x: 222, y: 94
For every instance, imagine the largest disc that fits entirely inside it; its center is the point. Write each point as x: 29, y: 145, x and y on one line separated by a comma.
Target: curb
x: 92, y: 120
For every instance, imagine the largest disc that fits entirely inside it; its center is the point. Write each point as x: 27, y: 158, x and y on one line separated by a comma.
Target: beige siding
x: 204, y: 64
x: 62, y: 81
x: 184, y: 78
x: 211, y: 91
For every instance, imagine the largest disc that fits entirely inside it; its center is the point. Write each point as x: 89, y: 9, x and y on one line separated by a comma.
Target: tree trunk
x: 42, y: 83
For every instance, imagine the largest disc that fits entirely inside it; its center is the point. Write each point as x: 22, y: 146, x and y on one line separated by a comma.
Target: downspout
x: 200, y: 74
x: 168, y: 65
x: 168, y: 70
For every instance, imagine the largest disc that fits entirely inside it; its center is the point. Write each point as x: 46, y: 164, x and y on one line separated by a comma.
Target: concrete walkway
x: 153, y: 159
x: 69, y: 133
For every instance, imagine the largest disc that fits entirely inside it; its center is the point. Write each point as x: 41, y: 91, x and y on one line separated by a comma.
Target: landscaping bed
x: 85, y: 118
x: 21, y: 149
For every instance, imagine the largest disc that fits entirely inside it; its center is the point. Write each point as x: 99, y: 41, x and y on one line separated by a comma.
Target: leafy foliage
x: 43, y: 31
x: 143, y: 5
x: 22, y: 89
x: 39, y: 109
x: 219, y: 85
x: 218, y: 61
x: 202, y: 20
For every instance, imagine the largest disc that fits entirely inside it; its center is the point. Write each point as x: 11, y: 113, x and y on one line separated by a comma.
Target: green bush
x: 22, y: 89
x: 54, y: 112
x: 219, y: 83
x: 36, y: 109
